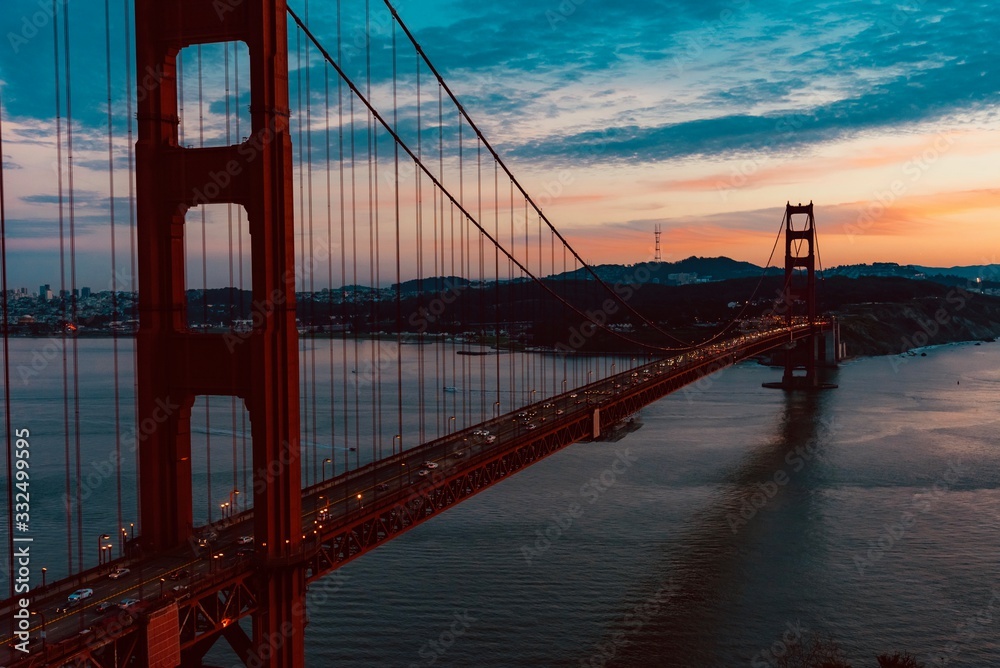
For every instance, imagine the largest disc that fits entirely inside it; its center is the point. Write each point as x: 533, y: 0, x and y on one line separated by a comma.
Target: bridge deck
x: 347, y: 516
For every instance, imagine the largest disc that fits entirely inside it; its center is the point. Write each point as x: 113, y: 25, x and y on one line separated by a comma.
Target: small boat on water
x: 450, y: 388
x: 472, y: 352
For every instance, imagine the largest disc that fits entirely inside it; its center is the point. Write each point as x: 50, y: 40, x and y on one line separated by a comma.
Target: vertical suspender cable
x: 8, y: 427
x: 62, y: 288
x: 204, y: 286
x: 310, y: 261
x: 132, y: 222
x: 418, y: 203
x: 244, y: 441
x: 71, y: 202
x: 399, y: 279
x: 329, y: 242
x: 297, y: 156
x: 231, y: 286
x: 114, y: 273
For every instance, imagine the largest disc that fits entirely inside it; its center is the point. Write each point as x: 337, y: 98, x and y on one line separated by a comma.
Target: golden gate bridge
x: 301, y: 170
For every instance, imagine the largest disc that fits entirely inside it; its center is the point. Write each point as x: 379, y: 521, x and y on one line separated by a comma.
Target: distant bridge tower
x: 174, y: 364
x: 658, y: 257
x: 799, y: 300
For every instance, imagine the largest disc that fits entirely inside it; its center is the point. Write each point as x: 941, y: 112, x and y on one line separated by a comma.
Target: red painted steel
x: 208, y: 610
x: 798, y: 293
x: 174, y: 364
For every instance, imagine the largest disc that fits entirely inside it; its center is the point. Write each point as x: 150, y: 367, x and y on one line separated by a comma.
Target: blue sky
x: 702, y: 116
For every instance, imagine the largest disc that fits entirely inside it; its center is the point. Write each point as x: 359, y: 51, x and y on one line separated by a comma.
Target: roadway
x: 176, y: 574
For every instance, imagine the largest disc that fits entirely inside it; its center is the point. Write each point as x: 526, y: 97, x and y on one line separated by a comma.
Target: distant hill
x: 715, y: 269
x: 691, y: 270
x: 436, y: 284
x: 949, y: 276
x: 987, y: 272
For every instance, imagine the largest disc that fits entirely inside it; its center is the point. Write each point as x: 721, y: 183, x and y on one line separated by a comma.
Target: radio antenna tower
x: 658, y: 257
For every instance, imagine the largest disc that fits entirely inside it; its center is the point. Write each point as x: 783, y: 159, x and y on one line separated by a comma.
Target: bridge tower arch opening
x: 799, y: 302
x: 176, y: 364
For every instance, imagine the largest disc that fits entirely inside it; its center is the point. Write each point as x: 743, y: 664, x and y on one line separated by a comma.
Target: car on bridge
x: 79, y: 595
x: 182, y: 573
x: 119, y: 573
x: 104, y: 606
x: 382, y: 487
x: 244, y: 540
x: 127, y: 603
x: 430, y: 465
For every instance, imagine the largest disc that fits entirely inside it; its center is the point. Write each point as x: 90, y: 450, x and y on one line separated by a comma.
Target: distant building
x: 45, y: 292
x: 84, y: 293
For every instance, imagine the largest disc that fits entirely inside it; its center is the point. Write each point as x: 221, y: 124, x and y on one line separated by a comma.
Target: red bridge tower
x: 175, y: 364
x: 799, y: 301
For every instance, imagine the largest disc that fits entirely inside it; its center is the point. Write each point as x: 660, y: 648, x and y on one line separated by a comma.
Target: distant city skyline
x: 701, y: 117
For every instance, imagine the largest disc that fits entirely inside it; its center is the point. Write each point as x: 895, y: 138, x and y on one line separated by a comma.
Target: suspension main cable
x: 457, y: 204
x: 524, y: 192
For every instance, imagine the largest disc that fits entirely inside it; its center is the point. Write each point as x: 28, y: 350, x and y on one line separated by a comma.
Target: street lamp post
x: 100, y: 548
x: 121, y: 542
x: 232, y: 499
x: 359, y: 501
x: 162, y: 580
x: 325, y: 462
x: 451, y: 424
x: 394, y: 443
x: 44, y: 571
x: 44, y: 645
x: 223, y: 507
x: 496, y: 408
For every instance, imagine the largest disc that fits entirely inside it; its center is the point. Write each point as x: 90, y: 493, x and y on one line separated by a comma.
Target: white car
x: 244, y: 540
x: 429, y: 465
x: 491, y: 438
x: 79, y: 595
x: 119, y: 573
x: 423, y: 472
x: 126, y: 603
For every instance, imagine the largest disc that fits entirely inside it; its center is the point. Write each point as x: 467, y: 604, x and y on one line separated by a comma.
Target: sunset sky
x: 702, y: 116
